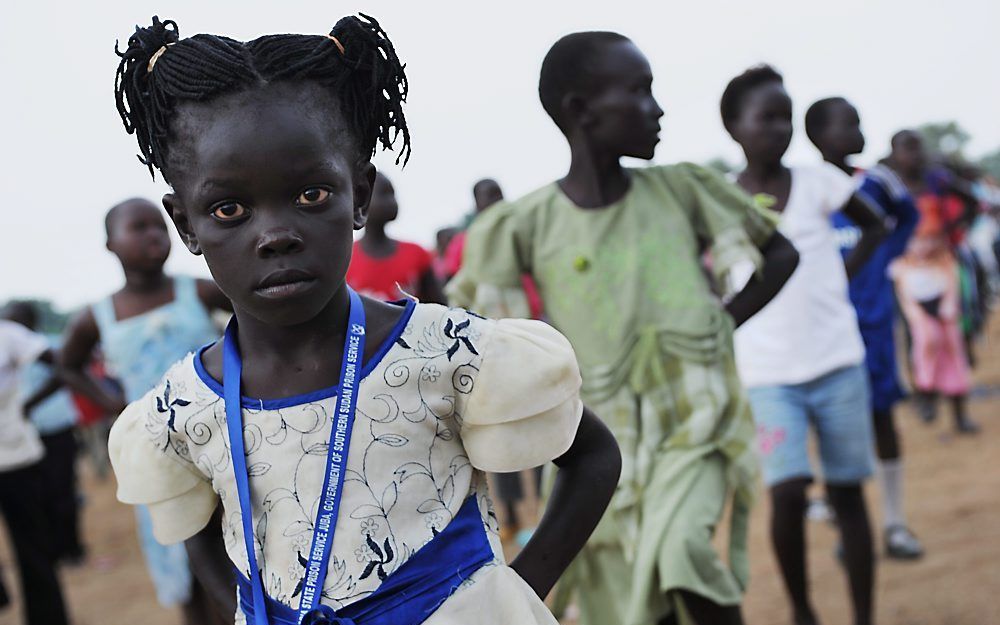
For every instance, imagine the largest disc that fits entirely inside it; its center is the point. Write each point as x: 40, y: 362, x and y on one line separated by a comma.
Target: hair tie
x: 156, y: 56
x: 336, y: 41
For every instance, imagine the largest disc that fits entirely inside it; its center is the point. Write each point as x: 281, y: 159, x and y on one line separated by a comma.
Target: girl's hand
x: 780, y: 260
x: 873, y: 230
x: 587, y: 478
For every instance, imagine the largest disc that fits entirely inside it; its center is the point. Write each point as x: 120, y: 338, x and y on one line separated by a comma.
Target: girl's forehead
x: 619, y: 61
x: 262, y: 124
x: 769, y: 94
x: 289, y: 104
x: 130, y: 214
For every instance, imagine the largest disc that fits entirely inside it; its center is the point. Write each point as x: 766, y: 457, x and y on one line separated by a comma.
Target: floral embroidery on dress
x: 407, y: 474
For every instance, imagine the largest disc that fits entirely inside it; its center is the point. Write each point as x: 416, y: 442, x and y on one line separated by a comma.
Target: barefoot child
x: 387, y: 269
x: 150, y: 323
x: 802, y: 356
x: 616, y: 253
x: 344, y: 437
x: 834, y: 127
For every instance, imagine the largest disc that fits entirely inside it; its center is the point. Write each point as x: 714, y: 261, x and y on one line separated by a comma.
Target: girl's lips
x: 285, y: 289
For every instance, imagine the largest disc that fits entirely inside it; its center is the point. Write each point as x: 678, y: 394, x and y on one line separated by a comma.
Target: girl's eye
x: 312, y: 196
x: 229, y: 211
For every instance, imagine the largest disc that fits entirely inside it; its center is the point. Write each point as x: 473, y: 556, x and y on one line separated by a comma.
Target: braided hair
x: 356, y: 63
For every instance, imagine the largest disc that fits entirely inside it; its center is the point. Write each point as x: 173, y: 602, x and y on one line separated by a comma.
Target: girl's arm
x: 586, y: 480
x: 872, y: 232
x: 212, y: 297
x: 60, y: 377
x: 81, y: 338
x: 212, y: 567
x: 780, y: 261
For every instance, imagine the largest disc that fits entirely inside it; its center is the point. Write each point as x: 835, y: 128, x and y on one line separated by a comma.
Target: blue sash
x: 415, y: 590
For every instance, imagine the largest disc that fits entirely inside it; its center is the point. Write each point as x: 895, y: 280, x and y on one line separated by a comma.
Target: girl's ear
x: 577, y: 110
x: 178, y: 215
x: 364, y: 182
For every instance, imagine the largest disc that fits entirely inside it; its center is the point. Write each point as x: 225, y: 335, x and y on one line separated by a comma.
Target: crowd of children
x: 655, y: 335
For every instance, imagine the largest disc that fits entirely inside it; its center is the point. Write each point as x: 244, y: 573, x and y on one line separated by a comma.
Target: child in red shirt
x: 384, y: 268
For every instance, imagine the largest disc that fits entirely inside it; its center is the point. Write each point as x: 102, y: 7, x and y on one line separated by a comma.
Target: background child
x: 387, y: 269
x: 486, y: 193
x: 928, y: 290
x: 616, y: 254
x: 940, y: 229
x: 834, y: 127
x: 802, y: 356
x: 54, y: 416
x: 150, y: 323
x: 22, y: 489
x: 286, y: 125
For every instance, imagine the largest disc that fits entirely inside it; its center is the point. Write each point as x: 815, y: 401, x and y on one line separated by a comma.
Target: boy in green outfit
x: 616, y: 253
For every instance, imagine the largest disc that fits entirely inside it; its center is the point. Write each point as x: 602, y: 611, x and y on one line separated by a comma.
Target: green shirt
x: 626, y: 280
x: 627, y: 286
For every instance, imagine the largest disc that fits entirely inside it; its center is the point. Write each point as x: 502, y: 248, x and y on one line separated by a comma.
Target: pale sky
x: 473, y: 109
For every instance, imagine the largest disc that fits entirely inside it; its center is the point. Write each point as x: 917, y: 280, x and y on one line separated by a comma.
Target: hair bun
x: 147, y: 41
x: 380, y: 81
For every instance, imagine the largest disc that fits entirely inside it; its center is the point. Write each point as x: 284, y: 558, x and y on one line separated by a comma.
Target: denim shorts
x: 837, y: 406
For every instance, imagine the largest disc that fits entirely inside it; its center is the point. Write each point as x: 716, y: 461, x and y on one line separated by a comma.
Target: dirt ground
x: 953, y: 501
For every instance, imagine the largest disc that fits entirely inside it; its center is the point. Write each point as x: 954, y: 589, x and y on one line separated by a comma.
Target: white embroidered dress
x: 447, y: 396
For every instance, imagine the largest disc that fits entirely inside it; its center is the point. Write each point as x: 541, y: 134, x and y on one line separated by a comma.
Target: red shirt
x: 453, y: 255
x: 89, y: 411
x: 392, y: 277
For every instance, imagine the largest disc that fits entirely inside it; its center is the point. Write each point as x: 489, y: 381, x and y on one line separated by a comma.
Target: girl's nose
x: 277, y: 242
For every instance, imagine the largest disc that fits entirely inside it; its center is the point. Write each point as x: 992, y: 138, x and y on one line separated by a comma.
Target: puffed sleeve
x: 734, y: 224
x: 525, y: 407
x: 180, y: 499
x: 497, y: 252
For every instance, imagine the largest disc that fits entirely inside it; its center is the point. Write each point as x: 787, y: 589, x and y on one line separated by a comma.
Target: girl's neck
x: 284, y: 361
x: 137, y: 281
x: 376, y: 242
x: 594, y: 180
x: 840, y: 162
x: 292, y: 345
x: 765, y: 171
x: 910, y: 178
x: 913, y: 179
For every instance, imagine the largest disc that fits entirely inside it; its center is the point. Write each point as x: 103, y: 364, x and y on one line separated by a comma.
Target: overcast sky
x: 473, y: 108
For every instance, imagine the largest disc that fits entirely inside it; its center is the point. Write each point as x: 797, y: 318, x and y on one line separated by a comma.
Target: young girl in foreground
x: 345, y: 437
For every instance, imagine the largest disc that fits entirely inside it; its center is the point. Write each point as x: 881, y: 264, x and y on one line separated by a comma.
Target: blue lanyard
x: 333, y: 481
